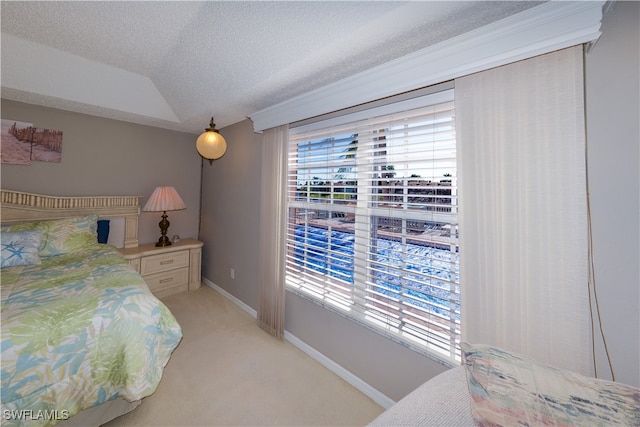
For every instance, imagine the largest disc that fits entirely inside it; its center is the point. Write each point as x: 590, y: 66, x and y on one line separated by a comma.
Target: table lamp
x: 164, y: 199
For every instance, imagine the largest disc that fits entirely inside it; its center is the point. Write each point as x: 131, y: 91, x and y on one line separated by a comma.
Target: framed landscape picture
x: 23, y: 143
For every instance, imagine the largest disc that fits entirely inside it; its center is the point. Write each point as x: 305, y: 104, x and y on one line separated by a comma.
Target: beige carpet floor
x: 228, y: 372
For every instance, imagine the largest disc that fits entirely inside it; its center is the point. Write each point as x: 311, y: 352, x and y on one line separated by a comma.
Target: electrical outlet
x: 232, y: 273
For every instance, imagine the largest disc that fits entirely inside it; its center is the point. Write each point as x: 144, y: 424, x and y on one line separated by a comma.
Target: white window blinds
x: 372, y: 226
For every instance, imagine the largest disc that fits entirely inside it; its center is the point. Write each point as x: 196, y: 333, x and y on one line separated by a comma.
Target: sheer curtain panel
x: 523, y: 213
x: 273, y: 225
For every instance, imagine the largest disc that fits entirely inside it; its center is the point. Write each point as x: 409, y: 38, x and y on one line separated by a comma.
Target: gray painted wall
x: 111, y: 158
x: 230, y: 214
x: 613, y: 114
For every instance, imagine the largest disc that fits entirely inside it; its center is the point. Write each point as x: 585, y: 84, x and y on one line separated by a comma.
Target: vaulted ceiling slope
x: 174, y: 64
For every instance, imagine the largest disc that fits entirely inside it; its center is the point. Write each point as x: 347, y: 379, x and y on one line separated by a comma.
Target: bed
x: 495, y: 387
x: 83, y: 340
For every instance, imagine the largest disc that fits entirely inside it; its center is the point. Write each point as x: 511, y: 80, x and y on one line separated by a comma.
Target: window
x: 372, y: 226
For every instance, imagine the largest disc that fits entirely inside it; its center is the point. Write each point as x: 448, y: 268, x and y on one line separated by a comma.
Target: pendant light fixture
x: 211, y: 145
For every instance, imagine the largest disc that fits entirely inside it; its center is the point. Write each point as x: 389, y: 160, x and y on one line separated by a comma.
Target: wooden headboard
x: 18, y: 206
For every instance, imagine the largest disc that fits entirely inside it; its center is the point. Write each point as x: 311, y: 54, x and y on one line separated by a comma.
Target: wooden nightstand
x: 169, y: 269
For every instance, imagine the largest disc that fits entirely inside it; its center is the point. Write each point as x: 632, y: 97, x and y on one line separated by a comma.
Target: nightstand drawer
x: 164, y: 262
x: 168, y: 269
x: 178, y: 278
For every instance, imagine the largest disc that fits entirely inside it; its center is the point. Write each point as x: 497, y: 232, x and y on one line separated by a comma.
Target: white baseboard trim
x: 343, y: 373
x: 346, y: 375
x: 231, y: 298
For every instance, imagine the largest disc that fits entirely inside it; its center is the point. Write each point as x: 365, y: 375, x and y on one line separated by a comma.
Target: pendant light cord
x: 591, y: 279
x: 201, y: 185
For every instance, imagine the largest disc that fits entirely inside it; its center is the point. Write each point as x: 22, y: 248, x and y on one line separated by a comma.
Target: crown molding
x: 542, y: 29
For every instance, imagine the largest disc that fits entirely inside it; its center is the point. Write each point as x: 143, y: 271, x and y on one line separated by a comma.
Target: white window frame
x: 353, y: 303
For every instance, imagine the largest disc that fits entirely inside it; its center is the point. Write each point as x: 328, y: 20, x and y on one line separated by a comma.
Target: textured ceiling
x: 174, y: 64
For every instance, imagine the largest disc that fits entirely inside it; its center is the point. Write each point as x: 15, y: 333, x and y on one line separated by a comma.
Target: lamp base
x: 164, y: 226
x: 163, y: 241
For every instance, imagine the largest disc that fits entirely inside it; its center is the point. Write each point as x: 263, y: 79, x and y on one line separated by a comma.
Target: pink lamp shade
x: 164, y: 199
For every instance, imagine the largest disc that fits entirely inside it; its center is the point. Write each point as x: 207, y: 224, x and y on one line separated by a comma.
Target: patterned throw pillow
x: 510, y: 389
x: 61, y: 236
x: 69, y: 235
x: 27, y: 226
x: 20, y: 248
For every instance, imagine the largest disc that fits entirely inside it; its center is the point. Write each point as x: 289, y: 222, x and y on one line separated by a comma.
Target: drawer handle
x: 170, y: 279
x: 169, y: 261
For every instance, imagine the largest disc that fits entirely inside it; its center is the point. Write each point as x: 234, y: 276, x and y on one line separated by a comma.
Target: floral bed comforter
x: 78, y: 330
